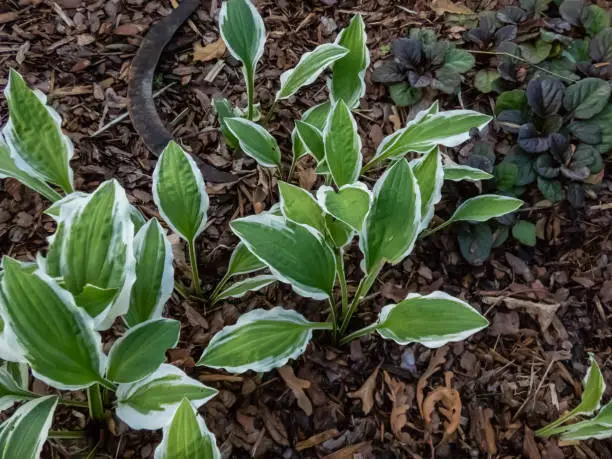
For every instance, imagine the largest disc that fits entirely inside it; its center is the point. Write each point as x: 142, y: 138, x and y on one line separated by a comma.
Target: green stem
x: 342, y: 281
x: 74, y: 403
x: 512, y: 56
x: 94, y: 398
x: 426, y: 232
x: 291, y: 170
x: 549, y: 430
x: 368, y: 166
x: 364, y: 286
x: 67, y: 434
x: 250, y: 82
x: 332, y: 313
x: 220, y: 286
x: 194, y: 268
x: 356, y: 334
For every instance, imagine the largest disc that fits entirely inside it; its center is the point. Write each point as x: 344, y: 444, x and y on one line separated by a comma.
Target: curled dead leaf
x: 401, y: 396
x: 205, y: 53
x: 450, y: 409
x: 446, y: 6
x: 436, y: 361
x: 366, y: 392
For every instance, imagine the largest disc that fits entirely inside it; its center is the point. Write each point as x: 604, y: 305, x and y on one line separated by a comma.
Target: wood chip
x: 8, y: 17
x: 446, y: 6
x: 316, y: 439
x: 130, y: 30
x: 348, y: 452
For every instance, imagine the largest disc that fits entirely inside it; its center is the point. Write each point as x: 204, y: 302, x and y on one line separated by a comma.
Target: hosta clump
x: 104, y: 262
x: 597, y: 426
x: 422, y: 61
x: 562, y: 133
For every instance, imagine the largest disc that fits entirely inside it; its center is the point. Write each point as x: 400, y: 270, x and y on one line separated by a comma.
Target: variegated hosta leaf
x: 431, y: 320
x: 92, y: 252
x: 299, y: 206
x: 10, y: 351
x: 20, y: 372
x: 349, y: 205
x: 243, y: 32
x: 316, y: 117
x: 484, y: 207
x: 255, y: 141
x: 11, y: 391
x: 586, y: 430
x: 430, y: 177
x: 151, y: 402
x: 339, y: 232
x: 392, y: 225
x: 154, y: 274
x: 348, y: 76
x: 428, y: 130
x: 260, y: 341
x: 243, y: 261
x: 296, y: 254
x: 34, y: 135
x: 342, y: 145
x: 8, y: 168
x: 187, y: 437
x: 141, y: 350
x: 309, y: 67
x: 57, y: 337
x: 312, y: 139
x: 457, y: 173
x: 240, y: 288
x: 179, y: 192
x: 25, y: 432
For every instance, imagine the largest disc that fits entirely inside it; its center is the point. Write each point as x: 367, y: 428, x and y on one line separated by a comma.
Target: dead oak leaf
x: 205, y: 53
x: 446, y: 6
x: 366, y: 392
x: 436, y: 361
x: 297, y: 386
x: 450, y: 409
x: 401, y: 396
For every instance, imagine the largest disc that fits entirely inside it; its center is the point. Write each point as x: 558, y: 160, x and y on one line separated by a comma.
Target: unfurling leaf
x: 57, y: 337
x: 141, y: 350
x: 34, y: 135
x: 342, y: 145
x: 484, y: 207
x: 430, y: 177
x: 348, y: 76
x: 154, y: 274
x: 312, y: 139
x: 393, y: 223
x: 151, y: 402
x: 350, y: 204
x: 187, y: 437
x: 8, y: 168
x: 296, y: 254
x: 240, y: 288
x: 309, y: 67
x: 179, y: 192
x: 243, y: 261
x: 457, y: 173
x: 25, y: 432
x: 260, y: 341
x: 316, y: 117
x: 432, y: 320
x: 255, y: 141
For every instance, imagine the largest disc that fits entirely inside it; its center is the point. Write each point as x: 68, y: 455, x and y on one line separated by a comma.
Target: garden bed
x: 549, y: 305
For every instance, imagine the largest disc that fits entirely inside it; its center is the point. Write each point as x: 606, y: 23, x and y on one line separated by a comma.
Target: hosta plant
x: 561, y: 133
x: 422, y: 61
x: 598, y: 426
x: 104, y: 262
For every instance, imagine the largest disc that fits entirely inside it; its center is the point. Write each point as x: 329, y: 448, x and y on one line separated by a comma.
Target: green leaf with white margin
x: 20, y: 372
x: 350, y: 204
x: 154, y: 274
x: 243, y: 32
x: 240, y: 288
x: 312, y: 139
x: 8, y: 168
x: 317, y: 117
x: 348, y: 73
x: 339, y: 232
x: 430, y: 177
x: 151, y: 402
x: 586, y: 430
x: 179, y: 192
x: 187, y: 437
x: 34, y: 135
x: 255, y: 141
x: 57, y: 337
x: 594, y: 388
x: 243, y: 261
x: 296, y: 254
x: 484, y: 207
x: 141, y: 350
x: 92, y: 252
x: 10, y: 351
x: 309, y: 67
x: 457, y: 173
x: 342, y: 145
x: 260, y: 341
x: 11, y: 392
x: 24, y: 434
x: 392, y: 225
x: 299, y: 206
x: 427, y: 130
x: 432, y: 320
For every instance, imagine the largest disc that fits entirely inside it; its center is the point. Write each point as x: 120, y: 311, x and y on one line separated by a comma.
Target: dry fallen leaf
x: 450, y: 409
x: 436, y: 361
x: 401, y: 395
x: 297, y: 386
x: 316, y: 439
x: 530, y: 447
x: 209, y: 52
x: 366, y: 392
x: 446, y: 6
